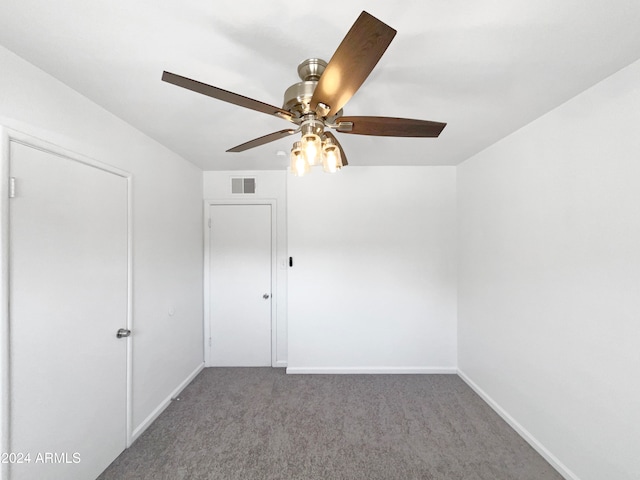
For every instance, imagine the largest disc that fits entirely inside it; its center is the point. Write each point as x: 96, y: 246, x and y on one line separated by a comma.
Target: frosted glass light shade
x: 331, y: 158
x: 299, y: 164
x: 312, y: 148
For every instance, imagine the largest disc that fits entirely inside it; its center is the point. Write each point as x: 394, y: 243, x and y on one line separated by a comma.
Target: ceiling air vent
x: 243, y: 185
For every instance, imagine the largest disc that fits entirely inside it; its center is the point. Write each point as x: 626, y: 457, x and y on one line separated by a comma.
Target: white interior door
x: 240, y: 285
x: 68, y: 297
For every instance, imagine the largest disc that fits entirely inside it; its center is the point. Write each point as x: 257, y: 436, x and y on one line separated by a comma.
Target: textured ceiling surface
x: 486, y: 68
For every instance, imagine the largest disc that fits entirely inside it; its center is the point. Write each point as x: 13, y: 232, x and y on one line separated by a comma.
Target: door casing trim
x: 7, y: 137
x: 274, y: 284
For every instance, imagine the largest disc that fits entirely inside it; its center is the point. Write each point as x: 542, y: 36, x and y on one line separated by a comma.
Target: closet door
x: 240, y: 285
x: 68, y: 284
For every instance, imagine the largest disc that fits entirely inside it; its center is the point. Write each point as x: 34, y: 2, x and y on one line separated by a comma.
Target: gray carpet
x: 259, y: 423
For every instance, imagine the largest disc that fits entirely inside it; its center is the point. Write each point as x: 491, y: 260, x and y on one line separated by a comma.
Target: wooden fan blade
x: 335, y: 140
x: 389, y: 127
x: 352, y: 62
x: 226, y: 96
x: 262, y: 140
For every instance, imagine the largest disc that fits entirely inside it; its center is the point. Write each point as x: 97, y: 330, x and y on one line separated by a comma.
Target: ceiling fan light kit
x: 312, y: 151
x: 315, y: 104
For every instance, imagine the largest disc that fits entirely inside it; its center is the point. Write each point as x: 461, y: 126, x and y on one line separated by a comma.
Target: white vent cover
x: 243, y: 185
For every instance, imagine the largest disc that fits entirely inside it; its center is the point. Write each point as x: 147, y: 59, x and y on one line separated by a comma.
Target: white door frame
x: 7, y: 136
x: 207, y: 257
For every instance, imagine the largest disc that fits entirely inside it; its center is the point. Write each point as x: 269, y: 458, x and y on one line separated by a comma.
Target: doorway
x: 239, y: 278
x: 68, y: 296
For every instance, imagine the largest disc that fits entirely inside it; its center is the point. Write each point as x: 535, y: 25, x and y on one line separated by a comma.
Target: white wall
x: 167, y: 222
x: 373, y: 285
x: 549, y: 279
x: 271, y: 185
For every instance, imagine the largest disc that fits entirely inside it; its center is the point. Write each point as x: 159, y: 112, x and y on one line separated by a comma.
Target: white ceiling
x: 485, y: 67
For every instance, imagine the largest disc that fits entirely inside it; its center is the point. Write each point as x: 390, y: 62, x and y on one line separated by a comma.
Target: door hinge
x: 209, y: 223
x: 12, y: 187
x: 209, y: 341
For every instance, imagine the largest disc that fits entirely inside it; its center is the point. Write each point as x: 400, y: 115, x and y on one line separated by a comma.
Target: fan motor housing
x: 298, y: 97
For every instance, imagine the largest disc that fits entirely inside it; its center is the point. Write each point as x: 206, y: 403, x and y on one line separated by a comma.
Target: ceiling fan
x: 315, y: 104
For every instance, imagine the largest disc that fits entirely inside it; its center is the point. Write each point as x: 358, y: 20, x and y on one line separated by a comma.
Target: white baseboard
x: 160, y: 408
x: 371, y: 370
x: 281, y: 364
x: 523, y: 432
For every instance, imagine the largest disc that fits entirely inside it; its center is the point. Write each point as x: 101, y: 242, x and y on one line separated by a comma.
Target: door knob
x: 123, y: 332
x: 266, y: 296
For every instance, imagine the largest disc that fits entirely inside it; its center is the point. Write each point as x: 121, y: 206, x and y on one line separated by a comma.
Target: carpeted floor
x: 259, y: 423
